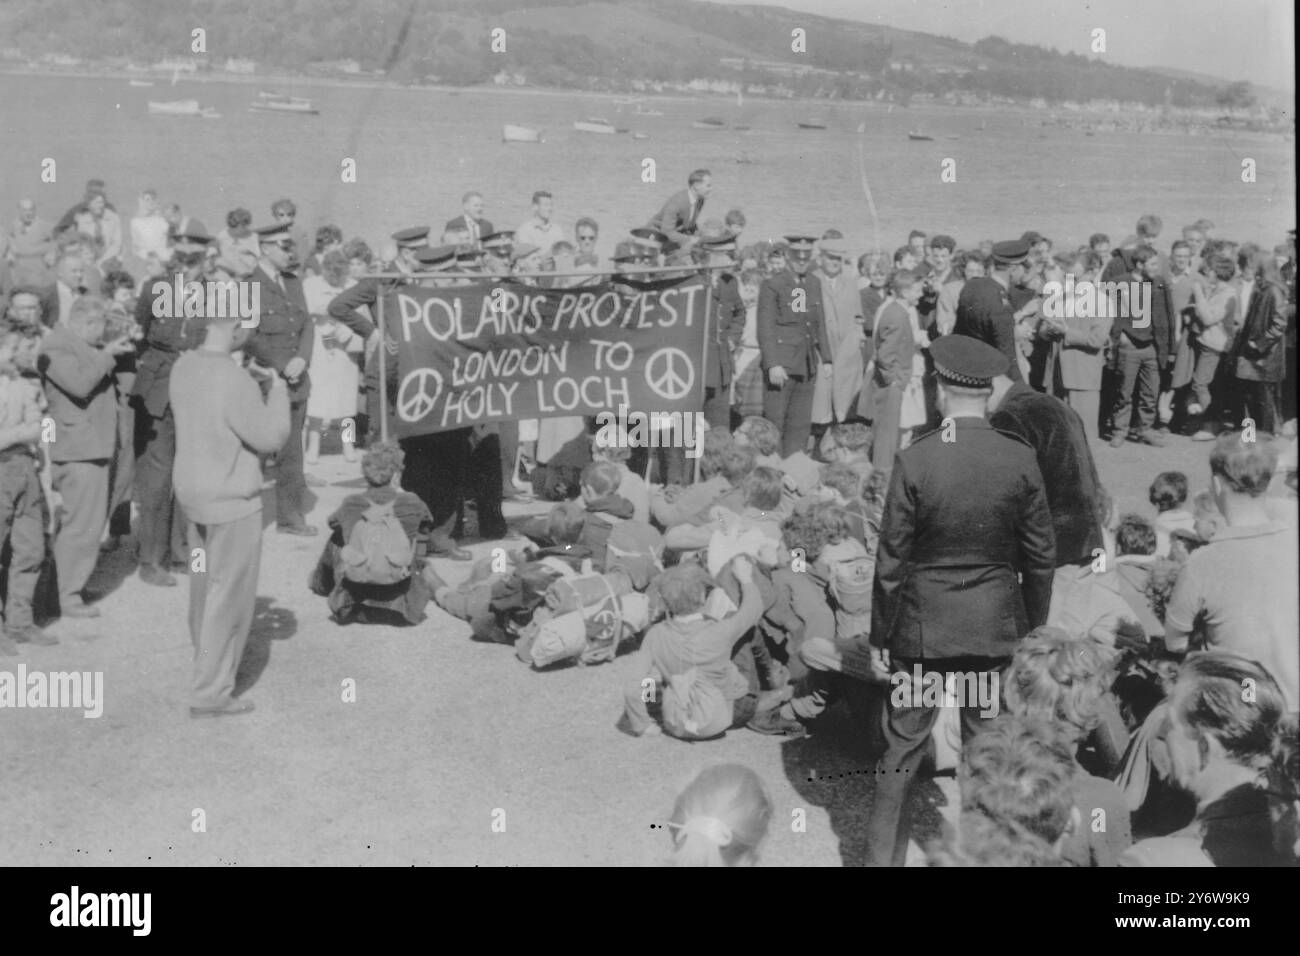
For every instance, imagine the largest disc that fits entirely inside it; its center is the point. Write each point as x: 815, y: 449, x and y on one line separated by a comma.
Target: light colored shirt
x: 149, y: 237
x: 542, y: 235
x: 1241, y: 590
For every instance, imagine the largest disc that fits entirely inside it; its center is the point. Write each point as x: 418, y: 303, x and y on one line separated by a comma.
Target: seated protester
x: 691, y: 654
x: 1222, y: 746
x: 843, y: 484
x: 356, y: 570
x: 797, y: 609
x: 850, y: 443
x: 1168, y: 494
x: 843, y: 568
x: 1095, y: 605
x: 605, y: 507
x: 631, y: 485
x: 723, y: 464
x: 1017, y: 798
x: 764, y: 437
x: 499, y: 603
x: 1237, y: 594
x: 720, y: 819
x: 760, y: 507
x: 1065, y: 680
x: 1135, y: 540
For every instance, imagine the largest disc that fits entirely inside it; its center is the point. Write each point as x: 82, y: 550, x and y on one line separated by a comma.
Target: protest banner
x: 501, y: 350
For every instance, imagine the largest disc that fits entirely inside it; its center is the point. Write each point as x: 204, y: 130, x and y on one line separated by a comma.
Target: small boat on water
x: 642, y: 111
x: 640, y: 135
x: 520, y: 134
x: 182, y: 108
x: 594, y: 124
x: 140, y: 82
x: 920, y: 137
x: 813, y: 124
x: 742, y: 127
x: 709, y: 122
x: 279, y: 103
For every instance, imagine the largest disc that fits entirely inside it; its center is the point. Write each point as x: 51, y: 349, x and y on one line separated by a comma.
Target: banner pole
x: 704, y: 358
x: 383, y: 372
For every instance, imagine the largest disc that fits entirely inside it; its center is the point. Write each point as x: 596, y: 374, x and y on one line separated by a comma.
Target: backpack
x: 694, y: 708
x: 378, y: 550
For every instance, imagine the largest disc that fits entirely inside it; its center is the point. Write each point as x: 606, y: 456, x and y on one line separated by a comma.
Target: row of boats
x: 511, y: 133
x: 265, y: 103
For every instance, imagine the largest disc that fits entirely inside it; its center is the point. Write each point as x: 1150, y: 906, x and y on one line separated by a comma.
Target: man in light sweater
x: 222, y: 425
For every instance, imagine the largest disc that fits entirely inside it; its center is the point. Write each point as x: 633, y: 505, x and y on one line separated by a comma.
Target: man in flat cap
x: 984, y: 309
x: 161, y: 531
x: 842, y: 305
x: 963, y: 571
x: 792, y: 341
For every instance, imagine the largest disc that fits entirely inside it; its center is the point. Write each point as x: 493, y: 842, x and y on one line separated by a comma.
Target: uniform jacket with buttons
x: 793, y: 340
x: 284, y: 330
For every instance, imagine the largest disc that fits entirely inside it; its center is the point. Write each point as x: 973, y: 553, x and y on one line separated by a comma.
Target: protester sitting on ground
x: 690, y: 655
x: 1168, y: 494
x: 1238, y: 592
x: 1065, y: 679
x: 759, y: 507
x: 1222, y: 746
x: 1135, y: 561
x: 721, y: 818
x: 371, y: 567
x: 1017, y: 799
x: 631, y: 485
x: 723, y: 464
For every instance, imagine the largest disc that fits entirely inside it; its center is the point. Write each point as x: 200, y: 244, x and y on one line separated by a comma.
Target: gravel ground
x: 443, y: 733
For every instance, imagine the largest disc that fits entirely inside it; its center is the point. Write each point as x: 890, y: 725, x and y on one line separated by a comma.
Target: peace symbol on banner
x: 670, y: 373
x: 418, y: 394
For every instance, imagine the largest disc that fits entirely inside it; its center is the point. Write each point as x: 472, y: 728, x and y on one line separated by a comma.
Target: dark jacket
x: 962, y: 519
x: 284, y: 329
x: 164, y: 340
x: 462, y: 223
x: 1260, y: 353
x: 79, y: 386
x: 793, y: 340
x: 1055, y: 431
x: 602, y: 515
x: 985, y: 312
x: 729, y: 325
x: 675, y: 219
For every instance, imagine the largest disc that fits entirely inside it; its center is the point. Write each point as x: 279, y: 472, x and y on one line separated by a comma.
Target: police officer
x: 963, y: 571
x: 984, y: 308
x: 283, y: 341
x: 792, y: 340
x: 161, y: 532
x: 728, y: 327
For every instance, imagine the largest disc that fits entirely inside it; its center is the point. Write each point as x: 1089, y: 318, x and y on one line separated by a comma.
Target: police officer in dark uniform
x: 728, y: 327
x: 963, y: 571
x: 160, y: 534
x: 793, y: 343
x: 985, y: 309
x: 283, y: 341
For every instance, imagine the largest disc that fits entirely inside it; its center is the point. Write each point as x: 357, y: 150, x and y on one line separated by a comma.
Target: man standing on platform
x: 792, y: 340
x: 963, y: 571
x: 680, y: 214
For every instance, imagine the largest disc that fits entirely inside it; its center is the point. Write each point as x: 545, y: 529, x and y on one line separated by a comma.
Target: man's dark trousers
x: 290, y: 485
x: 1137, y: 368
x: 790, y: 409
x: 161, y: 528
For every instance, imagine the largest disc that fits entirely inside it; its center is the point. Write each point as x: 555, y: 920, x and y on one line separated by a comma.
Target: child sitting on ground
x: 690, y: 656
x: 631, y: 485
x: 1168, y: 494
x: 720, y: 818
x: 1135, y: 540
x: 723, y: 466
x: 351, y: 568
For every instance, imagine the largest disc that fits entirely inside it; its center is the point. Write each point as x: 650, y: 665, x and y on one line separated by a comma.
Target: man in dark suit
x: 681, y: 212
x: 963, y: 571
x: 471, y: 221
x: 984, y: 309
x: 161, y: 533
x: 793, y: 345
x: 728, y: 326
x: 77, y: 373
x: 283, y: 341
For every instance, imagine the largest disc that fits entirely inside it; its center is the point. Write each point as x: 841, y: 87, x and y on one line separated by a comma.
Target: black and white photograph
x: 649, y: 433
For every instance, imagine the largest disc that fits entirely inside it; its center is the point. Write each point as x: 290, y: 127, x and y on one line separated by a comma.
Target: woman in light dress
x: 334, y: 370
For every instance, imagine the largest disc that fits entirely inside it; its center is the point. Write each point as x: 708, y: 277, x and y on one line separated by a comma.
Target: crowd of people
x: 897, y: 480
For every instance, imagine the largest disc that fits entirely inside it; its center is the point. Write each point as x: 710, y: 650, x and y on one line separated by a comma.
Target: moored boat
x: 921, y: 137
x: 594, y: 124
x: 181, y: 108
x: 279, y: 103
x: 813, y: 124
x: 520, y: 134
x: 709, y: 122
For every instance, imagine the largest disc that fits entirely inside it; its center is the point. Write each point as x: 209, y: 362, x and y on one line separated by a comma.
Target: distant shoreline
x: 1183, y: 125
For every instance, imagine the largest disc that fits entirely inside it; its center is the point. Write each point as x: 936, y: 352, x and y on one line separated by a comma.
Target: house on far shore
x: 234, y: 65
